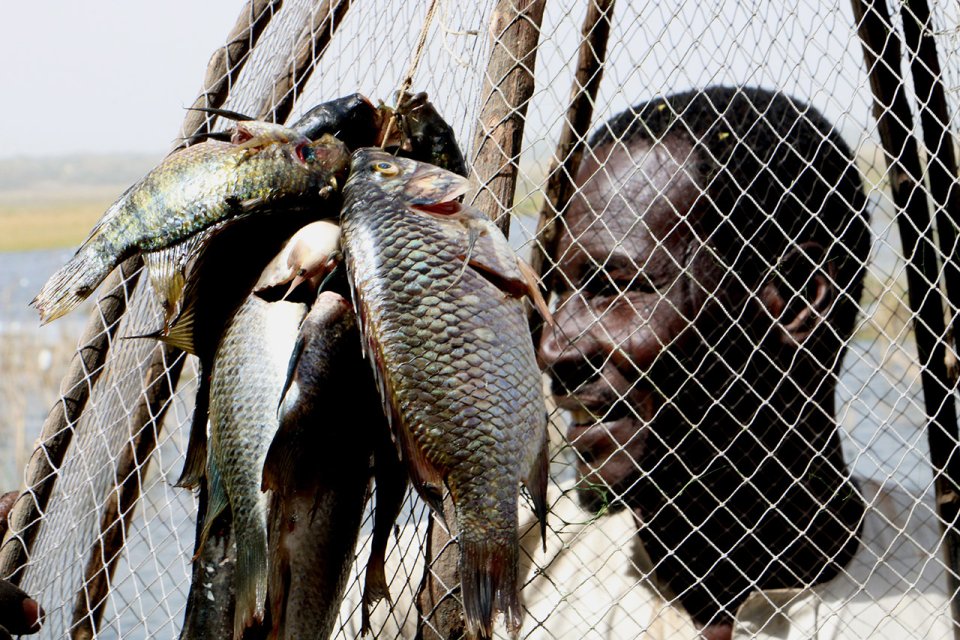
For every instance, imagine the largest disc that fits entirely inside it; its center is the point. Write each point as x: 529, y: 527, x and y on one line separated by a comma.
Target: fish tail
x: 488, y: 578
x: 536, y: 483
x: 251, y: 576
x: 72, y: 283
x: 392, y: 480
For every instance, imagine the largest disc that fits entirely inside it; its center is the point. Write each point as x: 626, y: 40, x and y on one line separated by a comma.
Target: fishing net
x: 104, y: 541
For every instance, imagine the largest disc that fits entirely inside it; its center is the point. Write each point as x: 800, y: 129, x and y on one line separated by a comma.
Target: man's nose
x: 571, y: 354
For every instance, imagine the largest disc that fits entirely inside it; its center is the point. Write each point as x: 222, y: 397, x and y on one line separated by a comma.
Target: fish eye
x: 306, y: 153
x: 387, y: 169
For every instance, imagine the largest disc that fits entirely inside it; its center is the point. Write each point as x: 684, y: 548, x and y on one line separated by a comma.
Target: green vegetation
x: 54, y: 202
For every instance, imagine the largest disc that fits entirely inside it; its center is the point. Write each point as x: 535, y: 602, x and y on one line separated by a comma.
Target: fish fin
x: 279, y: 466
x: 426, y: 478
x: 181, y: 331
x: 75, y: 281
x: 203, y: 136
x: 251, y: 584
x: 488, y: 583
x: 391, y: 488
x: 536, y: 483
x: 278, y: 585
x: 473, y: 235
x: 223, y: 113
x: 490, y: 255
x: 217, y: 503
x: 533, y: 291
x: 250, y: 204
x: 193, y: 465
x: 166, y: 268
x: 250, y: 529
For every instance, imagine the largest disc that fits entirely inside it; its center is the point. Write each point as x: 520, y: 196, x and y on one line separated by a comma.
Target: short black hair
x: 775, y: 174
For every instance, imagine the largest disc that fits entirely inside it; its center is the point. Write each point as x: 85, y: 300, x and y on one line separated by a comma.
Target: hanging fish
x: 439, y: 295
x: 247, y: 378
x: 316, y: 508
x: 192, y: 190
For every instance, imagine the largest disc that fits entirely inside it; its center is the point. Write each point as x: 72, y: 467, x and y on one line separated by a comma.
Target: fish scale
x: 456, y: 363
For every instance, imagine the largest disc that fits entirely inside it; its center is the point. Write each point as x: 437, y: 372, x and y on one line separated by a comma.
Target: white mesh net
x: 694, y: 348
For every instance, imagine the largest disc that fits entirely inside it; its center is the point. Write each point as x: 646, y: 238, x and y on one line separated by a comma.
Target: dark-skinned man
x: 709, y: 276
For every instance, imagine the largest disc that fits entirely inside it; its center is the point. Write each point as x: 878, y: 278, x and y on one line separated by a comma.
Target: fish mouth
x: 435, y: 189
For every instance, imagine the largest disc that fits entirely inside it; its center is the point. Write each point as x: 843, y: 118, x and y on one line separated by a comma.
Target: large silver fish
x: 192, y: 190
x: 246, y: 381
x: 439, y: 295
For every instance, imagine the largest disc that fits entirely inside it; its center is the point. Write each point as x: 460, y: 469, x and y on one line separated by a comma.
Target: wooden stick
x: 58, y: 429
x: 508, y: 86
x: 160, y: 380
x: 942, y: 165
x: 227, y: 62
x: 881, y: 50
x: 515, y: 32
x: 308, y: 50
x: 569, y: 153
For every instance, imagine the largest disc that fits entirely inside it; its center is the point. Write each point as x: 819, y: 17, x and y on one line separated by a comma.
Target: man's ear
x: 800, y: 291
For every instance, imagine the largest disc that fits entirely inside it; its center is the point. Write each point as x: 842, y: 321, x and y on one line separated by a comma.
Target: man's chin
x: 607, y: 461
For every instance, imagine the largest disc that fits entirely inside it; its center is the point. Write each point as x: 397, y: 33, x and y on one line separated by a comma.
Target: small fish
x: 310, y: 254
x: 318, y: 501
x: 439, y: 295
x: 192, y: 190
x: 246, y: 381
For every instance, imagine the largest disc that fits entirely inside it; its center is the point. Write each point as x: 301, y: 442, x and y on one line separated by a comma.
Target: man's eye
x: 603, y: 283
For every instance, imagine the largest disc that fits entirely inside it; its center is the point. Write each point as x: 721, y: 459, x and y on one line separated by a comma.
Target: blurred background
x: 95, y: 94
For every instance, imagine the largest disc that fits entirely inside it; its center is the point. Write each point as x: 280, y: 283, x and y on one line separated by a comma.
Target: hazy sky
x: 101, y: 76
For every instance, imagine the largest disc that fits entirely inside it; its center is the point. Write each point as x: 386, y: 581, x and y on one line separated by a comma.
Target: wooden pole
x: 58, y: 429
x: 941, y: 163
x: 310, y: 47
x: 160, y: 381
x: 515, y: 32
x: 227, y: 62
x: 508, y: 86
x: 881, y: 49
x: 573, y: 139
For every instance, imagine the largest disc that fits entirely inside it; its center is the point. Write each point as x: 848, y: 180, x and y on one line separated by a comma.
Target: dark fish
x: 318, y: 499
x: 427, y: 136
x: 438, y: 293
x: 211, y: 601
x: 192, y: 190
x: 352, y: 119
x: 246, y: 382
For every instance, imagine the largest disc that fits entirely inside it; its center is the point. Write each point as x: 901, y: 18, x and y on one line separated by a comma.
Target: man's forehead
x: 625, y: 187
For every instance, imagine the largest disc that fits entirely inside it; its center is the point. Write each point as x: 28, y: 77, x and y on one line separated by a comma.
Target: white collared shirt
x: 594, y: 582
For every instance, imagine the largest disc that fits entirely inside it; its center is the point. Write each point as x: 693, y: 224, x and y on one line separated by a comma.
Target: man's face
x: 633, y: 276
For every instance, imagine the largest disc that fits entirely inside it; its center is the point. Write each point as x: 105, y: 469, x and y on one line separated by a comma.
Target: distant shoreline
x: 53, y: 202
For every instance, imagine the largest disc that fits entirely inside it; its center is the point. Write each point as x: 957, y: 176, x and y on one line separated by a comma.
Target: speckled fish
x: 316, y: 508
x: 439, y: 295
x: 246, y: 381
x: 191, y: 191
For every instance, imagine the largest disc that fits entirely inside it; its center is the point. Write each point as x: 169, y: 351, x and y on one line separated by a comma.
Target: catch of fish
x: 303, y: 265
